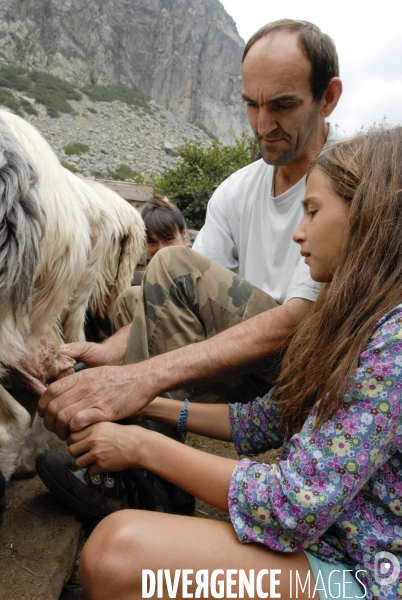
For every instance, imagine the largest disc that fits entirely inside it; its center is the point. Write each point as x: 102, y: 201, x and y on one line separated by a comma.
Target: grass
x: 100, y: 93
x: 28, y: 107
x: 8, y: 99
x: 76, y: 148
x: 14, y: 78
x: 55, y: 93
x: 98, y: 174
x: 69, y: 166
x: 124, y: 172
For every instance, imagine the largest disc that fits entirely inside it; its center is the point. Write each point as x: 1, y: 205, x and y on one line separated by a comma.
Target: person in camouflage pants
x: 187, y: 298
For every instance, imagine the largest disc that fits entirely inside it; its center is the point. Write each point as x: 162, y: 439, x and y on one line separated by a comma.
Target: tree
x: 193, y: 181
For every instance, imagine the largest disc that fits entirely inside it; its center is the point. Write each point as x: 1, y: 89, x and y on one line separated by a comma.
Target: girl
x: 331, y: 507
x: 164, y: 223
x: 165, y: 226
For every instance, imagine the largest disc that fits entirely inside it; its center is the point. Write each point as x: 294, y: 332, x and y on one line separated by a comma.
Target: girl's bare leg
x: 129, y: 541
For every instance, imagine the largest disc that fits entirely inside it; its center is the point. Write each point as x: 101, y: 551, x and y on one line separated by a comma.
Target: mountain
x: 186, y: 55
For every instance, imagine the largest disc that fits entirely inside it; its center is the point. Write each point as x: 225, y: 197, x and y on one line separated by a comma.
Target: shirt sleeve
x: 215, y: 240
x: 288, y: 506
x: 301, y: 284
x: 255, y: 426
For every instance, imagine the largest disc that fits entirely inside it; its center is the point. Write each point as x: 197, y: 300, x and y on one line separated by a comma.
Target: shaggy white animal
x: 88, y: 253
x: 124, y: 250
x: 119, y: 237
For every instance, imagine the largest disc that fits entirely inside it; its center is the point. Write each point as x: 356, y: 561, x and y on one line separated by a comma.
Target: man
x: 260, y: 203
x: 291, y: 84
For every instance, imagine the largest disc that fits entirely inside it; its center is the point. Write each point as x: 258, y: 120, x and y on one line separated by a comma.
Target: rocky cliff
x: 186, y: 55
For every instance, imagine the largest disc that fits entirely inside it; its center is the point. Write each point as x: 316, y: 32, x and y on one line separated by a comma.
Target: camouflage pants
x: 185, y: 298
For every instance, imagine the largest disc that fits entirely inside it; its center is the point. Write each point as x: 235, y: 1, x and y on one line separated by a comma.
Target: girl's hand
x: 106, y: 446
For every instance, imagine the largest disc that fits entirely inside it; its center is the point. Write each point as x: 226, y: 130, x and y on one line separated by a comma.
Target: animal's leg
x: 43, y: 359
x: 15, y: 423
x: 36, y: 442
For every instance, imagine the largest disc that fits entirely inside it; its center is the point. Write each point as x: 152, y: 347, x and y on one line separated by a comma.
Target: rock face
x: 185, y: 54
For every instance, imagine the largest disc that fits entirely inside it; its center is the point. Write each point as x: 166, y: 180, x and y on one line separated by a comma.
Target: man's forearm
x: 234, y: 351
x: 111, y: 393
x: 117, y: 344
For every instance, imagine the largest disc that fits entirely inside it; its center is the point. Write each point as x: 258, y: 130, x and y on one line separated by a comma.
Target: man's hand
x: 93, y: 355
x: 99, y: 394
x: 110, y: 352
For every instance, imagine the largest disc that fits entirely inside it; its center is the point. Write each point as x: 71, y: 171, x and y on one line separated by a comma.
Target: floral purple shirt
x: 336, y: 491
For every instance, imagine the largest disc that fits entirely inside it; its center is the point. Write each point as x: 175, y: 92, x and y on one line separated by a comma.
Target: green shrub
x: 100, y: 93
x: 124, y: 172
x: 47, y: 89
x: 28, y: 107
x: 69, y: 166
x: 92, y: 110
x: 14, y: 78
x: 98, y: 174
x: 54, y: 93
x: 76, y: 148
x: 191, y: 184
x: 54, y: 103
x: 58, y: 86
x: 8, y: 99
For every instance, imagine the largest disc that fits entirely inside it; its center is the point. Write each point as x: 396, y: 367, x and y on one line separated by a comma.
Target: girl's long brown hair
x: 367, y: 172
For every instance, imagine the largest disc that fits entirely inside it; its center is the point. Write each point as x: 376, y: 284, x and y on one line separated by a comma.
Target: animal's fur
x: 22, y: 222
x: 125, y: 248
x: 101, y: 230
x: 67, y: 244
x: 22, y: 225
x: 92, y: 243
x: 15, y: 423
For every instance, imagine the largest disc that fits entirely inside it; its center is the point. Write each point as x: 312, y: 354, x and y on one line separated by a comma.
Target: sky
x: 368, y: 37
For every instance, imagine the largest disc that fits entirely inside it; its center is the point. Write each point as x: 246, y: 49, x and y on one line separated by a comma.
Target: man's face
x: 279, y: 102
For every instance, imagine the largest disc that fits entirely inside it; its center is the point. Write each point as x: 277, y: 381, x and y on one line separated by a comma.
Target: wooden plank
x: 135, y: 193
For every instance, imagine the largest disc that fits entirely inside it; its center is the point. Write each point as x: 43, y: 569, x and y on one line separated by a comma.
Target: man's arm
x: 109, y: 352
x: 115, y: 392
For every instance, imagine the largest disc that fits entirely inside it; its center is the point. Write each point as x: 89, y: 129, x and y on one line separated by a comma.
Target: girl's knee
x: 109, y: 555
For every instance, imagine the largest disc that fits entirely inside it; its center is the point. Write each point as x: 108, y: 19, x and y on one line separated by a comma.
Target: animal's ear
x: 331, y: 96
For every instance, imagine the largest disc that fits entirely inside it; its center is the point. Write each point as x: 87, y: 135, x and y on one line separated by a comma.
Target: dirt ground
x: 38, y: 541
x: 72, y: 589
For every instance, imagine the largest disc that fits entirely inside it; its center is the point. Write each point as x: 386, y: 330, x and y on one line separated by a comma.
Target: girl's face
x: 321, y: 232
x: 156, y: 243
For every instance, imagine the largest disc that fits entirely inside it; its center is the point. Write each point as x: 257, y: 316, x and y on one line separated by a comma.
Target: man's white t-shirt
x: 250, y: 232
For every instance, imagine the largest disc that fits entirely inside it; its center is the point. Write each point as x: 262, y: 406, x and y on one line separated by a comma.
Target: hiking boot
x: 182, y: 502
x: 94, y: 497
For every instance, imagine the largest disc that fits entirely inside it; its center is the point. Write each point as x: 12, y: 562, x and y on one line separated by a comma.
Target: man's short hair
x: 318, y: 47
